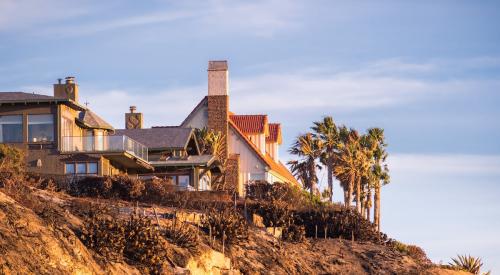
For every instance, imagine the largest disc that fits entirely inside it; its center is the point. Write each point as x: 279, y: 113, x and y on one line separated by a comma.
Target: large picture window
x: 40, y: 128
x: 11, y: 128
x: 81, y: 168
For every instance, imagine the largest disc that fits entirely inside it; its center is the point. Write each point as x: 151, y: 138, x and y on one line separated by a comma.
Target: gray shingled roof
x: 22, y: 96
x: 161, y: 137
x: 91, y: 120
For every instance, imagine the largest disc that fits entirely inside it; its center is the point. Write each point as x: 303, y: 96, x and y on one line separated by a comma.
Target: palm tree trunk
x: 376, y: 207
x: 330, y: 178
x: 368, y: 203
x: 358, y: 195
x: 346, y: 199
x: 351, y: 190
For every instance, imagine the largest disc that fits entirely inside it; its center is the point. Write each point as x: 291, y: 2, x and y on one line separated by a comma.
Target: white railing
x: 96, y: 144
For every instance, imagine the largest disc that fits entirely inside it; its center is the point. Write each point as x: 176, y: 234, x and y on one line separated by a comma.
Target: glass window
x: 183, y: 180
x: 92, y: 168
x: 11, y: 128
x: 81, y: 168
x: 70, y: 168
x: 40, y: 128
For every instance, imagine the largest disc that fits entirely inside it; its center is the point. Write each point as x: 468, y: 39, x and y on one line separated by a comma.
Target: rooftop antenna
x: 86, y: 103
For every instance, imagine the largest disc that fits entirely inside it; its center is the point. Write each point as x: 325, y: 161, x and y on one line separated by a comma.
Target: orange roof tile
x: 274, y: 133
x: 251, y: 124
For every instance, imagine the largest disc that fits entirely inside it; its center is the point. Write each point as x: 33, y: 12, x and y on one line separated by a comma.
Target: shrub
x: 401, y: 247
x: 156, y: 190
x: 126, y: 188
x: 418, y: 254
x: 468, y: 263
x: 226, y: 222
x: 99, y: 187
x: 275, y: 213
x: 144, y: 243
x: 294, y: 233
x: 181, y: 234
x: 11, y: 160
x: 104, y: 235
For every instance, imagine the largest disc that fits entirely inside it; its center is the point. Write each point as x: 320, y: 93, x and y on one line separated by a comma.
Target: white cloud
x: 288, y: 91
x: 451, y: 164
x: 23, y: 14
x: 260, y: 18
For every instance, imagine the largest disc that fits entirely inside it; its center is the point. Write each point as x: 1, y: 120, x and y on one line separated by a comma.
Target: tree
x: 308, y: 148
x: 379, y: 170
x: 328, y: 133
x: 212, y: 143
x: 345, y: 169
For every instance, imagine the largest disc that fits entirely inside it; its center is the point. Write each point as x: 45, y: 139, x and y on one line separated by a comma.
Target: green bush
x: 468, y: 263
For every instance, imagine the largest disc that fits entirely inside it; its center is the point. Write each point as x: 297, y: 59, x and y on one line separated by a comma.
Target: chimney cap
x: 70, y: 79
x: 217, y: 65
x: 132, y: 109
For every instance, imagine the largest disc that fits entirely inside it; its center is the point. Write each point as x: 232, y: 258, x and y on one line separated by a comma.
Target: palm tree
x: 345, y: 169
x: 380, y: 170
x: 308, y: 148
x: 328, y: 133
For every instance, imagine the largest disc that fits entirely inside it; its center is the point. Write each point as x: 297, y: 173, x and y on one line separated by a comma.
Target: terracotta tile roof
x: 273, y: 165
x: 274, y: 133
x: 90, y: 120
x: 251, y: 124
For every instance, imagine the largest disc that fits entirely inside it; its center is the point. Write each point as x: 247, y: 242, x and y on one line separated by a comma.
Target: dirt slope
x: 35, y: 242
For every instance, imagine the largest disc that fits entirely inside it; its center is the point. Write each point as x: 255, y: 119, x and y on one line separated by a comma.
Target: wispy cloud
x: 454, y: 164
x: 18, y: 15
x: 349, y: 91
x: 260, y: 18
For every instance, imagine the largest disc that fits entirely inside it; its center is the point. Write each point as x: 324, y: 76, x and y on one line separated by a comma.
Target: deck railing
x: 100, y: 144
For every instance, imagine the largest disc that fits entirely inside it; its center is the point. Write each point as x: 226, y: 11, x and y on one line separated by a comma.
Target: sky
x: 428, y: 72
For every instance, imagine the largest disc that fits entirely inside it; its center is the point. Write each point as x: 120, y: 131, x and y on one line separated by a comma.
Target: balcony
x: 105, y: 145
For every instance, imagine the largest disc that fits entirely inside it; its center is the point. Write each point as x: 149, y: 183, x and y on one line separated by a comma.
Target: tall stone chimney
x: 66, y: 90
x: 218, y: 99
x: 133, y: 120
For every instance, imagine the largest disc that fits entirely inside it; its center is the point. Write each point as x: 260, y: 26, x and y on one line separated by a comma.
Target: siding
x: 251, y: 166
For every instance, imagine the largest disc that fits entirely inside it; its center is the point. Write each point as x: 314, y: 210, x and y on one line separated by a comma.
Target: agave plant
x: 468, y: 263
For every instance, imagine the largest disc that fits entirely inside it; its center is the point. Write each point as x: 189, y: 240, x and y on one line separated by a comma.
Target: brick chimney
x: 66, y: 90
x: 133, y: 120
x: 218, y: 99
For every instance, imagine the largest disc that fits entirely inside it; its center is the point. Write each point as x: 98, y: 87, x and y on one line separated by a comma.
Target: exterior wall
x: 199, y: 118
x: 260, y: 141
x: 272, y: 148
x: 251, y: 166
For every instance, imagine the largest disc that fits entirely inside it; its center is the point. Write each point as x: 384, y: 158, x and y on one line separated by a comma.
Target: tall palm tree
x: 328, y: 133
x: 345, y: 168
x: 380, y: 169
x: 308, y: 148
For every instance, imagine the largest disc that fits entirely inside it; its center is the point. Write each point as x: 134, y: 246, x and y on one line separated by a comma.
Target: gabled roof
x: 171, y: 137
x: 251, y: 124
x: 274, y: 133
x: 202, y: 103
x: 89, y: 119
x: 268, y: 160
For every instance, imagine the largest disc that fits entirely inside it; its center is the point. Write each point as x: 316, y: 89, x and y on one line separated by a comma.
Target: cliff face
x: 37, y: 236
x: 30, y: 245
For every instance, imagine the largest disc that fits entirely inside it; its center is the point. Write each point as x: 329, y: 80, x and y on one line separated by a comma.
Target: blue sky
x: 426, y: 71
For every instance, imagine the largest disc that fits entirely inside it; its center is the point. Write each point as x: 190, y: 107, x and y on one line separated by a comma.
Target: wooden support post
x: 316, y: 234
x: 157, y: 220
